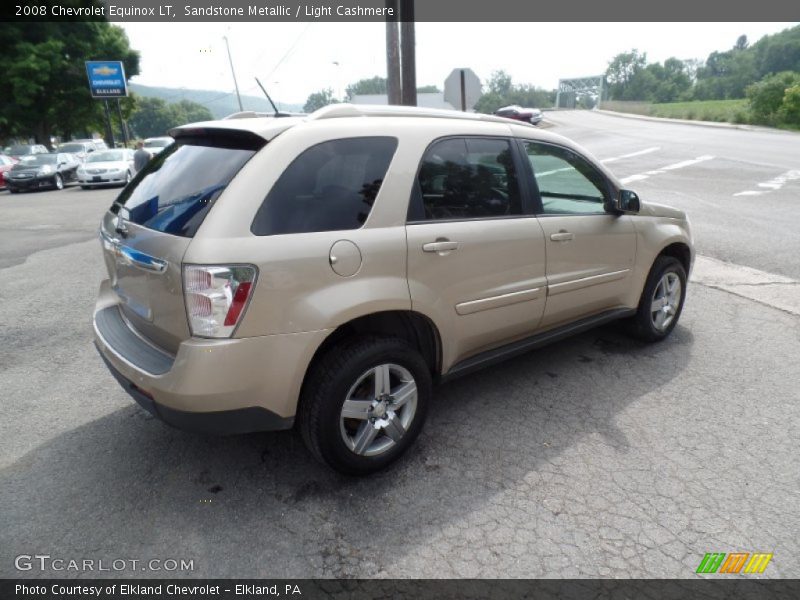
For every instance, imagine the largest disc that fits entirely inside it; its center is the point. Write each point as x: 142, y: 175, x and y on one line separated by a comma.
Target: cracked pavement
x: 595, y: 457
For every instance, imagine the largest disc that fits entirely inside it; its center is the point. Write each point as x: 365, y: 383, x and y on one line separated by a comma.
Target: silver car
x: 106, y: 167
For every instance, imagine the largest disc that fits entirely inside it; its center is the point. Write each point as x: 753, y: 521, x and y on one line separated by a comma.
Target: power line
x: 289, y: 51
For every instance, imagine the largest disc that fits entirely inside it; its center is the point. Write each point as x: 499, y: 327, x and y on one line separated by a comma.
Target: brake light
x: 216, y: 297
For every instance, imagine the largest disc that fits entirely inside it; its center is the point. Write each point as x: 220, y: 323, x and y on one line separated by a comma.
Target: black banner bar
x: 377, y: 10
x: 441, y: 589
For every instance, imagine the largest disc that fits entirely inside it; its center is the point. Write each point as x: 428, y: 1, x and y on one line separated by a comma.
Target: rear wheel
x: 662, y: 300
x: 58, y: 182
x: 364, y: 403
x: 85, y: 187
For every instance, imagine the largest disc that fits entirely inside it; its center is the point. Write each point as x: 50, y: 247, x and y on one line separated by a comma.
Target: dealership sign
x: 106, y: 78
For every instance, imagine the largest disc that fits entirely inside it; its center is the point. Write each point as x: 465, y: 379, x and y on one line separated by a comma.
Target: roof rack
x: 336, y: 111
x: 250, y: 114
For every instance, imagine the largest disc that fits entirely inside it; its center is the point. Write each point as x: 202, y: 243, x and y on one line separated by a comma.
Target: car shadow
x: 126, y: 485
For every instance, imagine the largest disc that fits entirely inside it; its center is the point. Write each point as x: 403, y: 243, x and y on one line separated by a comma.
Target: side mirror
x: 627, y: 202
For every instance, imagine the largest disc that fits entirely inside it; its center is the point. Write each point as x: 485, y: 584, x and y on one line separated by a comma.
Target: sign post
x: 107, y: 80
x: 462, y: 89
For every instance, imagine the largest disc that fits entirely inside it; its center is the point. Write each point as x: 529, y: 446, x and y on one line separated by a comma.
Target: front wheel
x: 662, y: 300
x: 58, y: 182
x: 364, y: 403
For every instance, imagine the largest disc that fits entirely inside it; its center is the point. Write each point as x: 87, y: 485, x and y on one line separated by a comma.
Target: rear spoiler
x: 219, y: 137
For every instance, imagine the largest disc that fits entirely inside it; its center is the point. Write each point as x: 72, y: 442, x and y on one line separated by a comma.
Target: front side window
x: 469, y: 178
x: 329, y: 187
x: 567, y: 183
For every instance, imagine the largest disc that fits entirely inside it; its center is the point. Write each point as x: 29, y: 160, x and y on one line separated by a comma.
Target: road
x: 758, y: 229
x: 597, y: 457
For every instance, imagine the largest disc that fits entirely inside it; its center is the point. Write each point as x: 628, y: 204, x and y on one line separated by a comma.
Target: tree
x: 319, y: 99
x: 373, y: 85
x: 502, y: 92
x: 741, y: 43
x: 428, y: 89
x: 768, y: 95
x: 45, y: 90
x: 500, y: 83
x: 187, y: 111
x: 621, y: 71
x: 155, y: 117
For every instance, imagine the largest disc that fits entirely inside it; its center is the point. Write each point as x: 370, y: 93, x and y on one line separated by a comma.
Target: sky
x: 293, y: 60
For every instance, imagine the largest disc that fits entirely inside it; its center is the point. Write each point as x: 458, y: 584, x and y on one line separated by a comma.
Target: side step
x: 496, y: 355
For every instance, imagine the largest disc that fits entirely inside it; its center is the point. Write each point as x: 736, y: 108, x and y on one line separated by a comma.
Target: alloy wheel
x: 666, y: 301
x: 378, y: 409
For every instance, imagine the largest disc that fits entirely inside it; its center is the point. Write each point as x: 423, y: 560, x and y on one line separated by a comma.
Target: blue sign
x: 106, y: 78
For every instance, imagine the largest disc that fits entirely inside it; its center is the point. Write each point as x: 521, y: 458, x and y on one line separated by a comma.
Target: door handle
x: 562, y: 236
x: 440, y: 246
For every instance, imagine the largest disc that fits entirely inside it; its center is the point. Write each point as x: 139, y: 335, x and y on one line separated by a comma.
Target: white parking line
x: 631, y: 155
x: 680, y: 165
x: 605, y: 160
x: 773, y: 184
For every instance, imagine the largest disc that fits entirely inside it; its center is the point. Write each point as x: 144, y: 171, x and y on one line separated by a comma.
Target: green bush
x: 789, y: 112
x: 767, y: 96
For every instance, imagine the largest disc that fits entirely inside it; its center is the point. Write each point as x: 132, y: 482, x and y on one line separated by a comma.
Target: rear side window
x: 177, y: 188
x: 329, y: 187
x: 469, y: 178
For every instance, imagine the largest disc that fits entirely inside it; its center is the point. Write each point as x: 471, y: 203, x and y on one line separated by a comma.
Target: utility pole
x: 408, y: 61
x: 393, y: 56
x: 235, y: 84
x: 109, y: 128
x: 122, y: 126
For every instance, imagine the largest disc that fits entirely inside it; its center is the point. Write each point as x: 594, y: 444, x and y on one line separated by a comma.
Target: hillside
x: 219, y: 103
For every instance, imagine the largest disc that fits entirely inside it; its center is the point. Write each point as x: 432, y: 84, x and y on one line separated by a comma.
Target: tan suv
x: 328, y: 270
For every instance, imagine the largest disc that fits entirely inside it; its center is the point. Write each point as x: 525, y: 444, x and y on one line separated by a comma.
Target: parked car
x: 326, y: 271
x: 78, y: 149
x: 42, y: 171
x: 6, y: 162
x: 97, y: 143
x: 526, y: 115
x: 157, y: 144
x: 21, y: 150
x: 106, y: 167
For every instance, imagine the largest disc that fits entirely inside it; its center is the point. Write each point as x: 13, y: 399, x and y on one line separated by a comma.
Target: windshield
x: 40, y: 159
x: 71, y: 148
x: 17, y: 150
x: 177, y: 188
x: 158, y: 143
x: 106, y: 156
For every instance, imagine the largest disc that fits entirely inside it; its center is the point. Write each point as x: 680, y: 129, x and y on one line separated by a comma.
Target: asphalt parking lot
x: 595, y: 457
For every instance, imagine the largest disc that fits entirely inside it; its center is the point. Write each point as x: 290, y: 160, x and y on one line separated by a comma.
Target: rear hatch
x: 148, y: 229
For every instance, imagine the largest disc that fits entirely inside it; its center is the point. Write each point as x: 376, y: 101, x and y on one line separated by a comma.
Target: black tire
x: 86, y: 187
x: 58, y: 182
x: 642, y: 325
x: 327, y: 387
x: 13, y: 191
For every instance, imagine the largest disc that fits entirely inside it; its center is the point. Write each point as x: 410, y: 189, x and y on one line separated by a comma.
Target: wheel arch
x: 680, y: 251
x: 414, y: 327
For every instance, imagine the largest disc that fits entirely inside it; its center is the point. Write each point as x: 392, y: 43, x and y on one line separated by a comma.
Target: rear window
x: 329, y: 187
x: 177, y: 188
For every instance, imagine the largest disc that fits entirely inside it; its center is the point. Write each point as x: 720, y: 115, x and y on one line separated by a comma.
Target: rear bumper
x: 223, y: 422
x: 218, y: 386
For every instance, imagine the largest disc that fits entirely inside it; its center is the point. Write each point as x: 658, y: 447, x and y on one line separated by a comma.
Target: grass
x: 725, y: 111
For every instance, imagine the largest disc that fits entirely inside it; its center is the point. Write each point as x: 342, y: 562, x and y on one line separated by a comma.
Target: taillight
x: 216, y: 297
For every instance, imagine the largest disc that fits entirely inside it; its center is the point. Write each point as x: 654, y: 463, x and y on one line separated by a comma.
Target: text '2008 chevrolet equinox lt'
x: 327, y: 270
